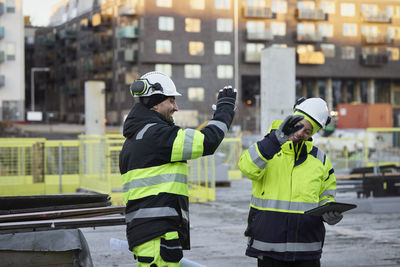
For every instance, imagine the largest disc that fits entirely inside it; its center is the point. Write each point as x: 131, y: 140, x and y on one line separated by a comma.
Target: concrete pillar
x: 357, y: 91
x: 316, y: 89
x: 278, y: 84
x: 329, y: 93
x: 371, y: 91
x: 95, y: 107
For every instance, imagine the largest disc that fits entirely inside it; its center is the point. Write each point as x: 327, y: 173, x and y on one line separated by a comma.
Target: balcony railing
x: 44, y: 41
x: 381, y: 17
x: 311, y: 14
x: 260, y: 35
x: 128, y: 32
x: 314, y: 58
x: 2, y: 56
x: 309, y: 37
x: 1, y: 9
x: 377, y: 39
x: 1, y: 32
x: 252, y: 57
x: 127, y: 10
x: 259, y: 12
x: 67, y: 34
x: 127, y: 55
x: 374, y: 60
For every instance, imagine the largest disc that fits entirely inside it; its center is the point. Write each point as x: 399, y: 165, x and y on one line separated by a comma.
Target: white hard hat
x: 315, y: 108
x: 152, y: 83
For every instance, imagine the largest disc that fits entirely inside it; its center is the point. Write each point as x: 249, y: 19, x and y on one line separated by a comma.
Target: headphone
x: 140, y: 87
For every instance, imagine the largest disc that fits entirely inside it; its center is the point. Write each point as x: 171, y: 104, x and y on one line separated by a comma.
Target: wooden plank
x: 46, y: 215
x: 52, y: 208
x: 28, y: 226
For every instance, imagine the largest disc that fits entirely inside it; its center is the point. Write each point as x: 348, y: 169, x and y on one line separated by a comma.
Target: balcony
x: 1, y: 9
x: 127, y: 10
x: 67, y: 34
x: 312, y: 58
x: 252, y: 57
x: 377, y: 39
x: 265, y: 35
x: 380, y: 17
x: 69, y: 89
x: 2, y: 56
x: 44, y: 41
x: 99, y: 20
x: 128, y: 55
x: 311, y: 14
x: 127, y: 32
x: 259, y: 12
x: 1, y: 32
x: 309, y: 37
x: 374, y: 60
x: 2, y: 80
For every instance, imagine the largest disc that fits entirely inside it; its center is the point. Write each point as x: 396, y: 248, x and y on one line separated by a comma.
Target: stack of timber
x: 64, y: 211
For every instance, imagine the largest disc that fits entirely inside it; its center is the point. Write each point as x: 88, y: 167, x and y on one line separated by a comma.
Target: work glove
x: 332, y: 217
x: 226, y: 96
x: 288, y: 128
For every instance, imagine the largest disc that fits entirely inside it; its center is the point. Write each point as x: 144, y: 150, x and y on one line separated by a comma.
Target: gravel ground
x: 367, y: 236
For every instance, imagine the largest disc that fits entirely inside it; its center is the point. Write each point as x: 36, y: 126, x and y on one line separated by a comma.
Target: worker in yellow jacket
x: 289, y: 176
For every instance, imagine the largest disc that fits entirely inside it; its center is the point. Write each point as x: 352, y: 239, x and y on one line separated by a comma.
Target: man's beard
x: 170, y: 119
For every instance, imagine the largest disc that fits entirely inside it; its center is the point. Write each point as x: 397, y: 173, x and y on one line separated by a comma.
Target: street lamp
x: 33, y: 70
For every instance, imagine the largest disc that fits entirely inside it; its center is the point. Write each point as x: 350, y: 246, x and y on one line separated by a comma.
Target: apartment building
x: 347, y: 51
x: 12, y: 85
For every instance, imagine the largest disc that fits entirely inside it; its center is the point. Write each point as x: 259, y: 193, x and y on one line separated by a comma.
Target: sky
x: 38, y: 10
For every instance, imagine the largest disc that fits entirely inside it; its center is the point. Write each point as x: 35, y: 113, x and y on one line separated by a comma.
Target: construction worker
x: 154, y: 169
x: 289, y: 176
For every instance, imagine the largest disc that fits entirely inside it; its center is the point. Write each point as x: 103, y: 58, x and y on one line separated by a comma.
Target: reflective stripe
x: 321, y: 155
x: 322, y: 202
x: 142, y: 132
x: 155, y: 180
x: 328, y: 193
x: 283, y: 247
x: 167, y: 247
x: 222, y: 126
x: 185, y: 215
x: 281, y: 204
x: 150, y: 213
x: 188, y: 144
x: 255, y: 157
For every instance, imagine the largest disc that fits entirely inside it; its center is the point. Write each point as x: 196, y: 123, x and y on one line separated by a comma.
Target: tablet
x: 330, y: 206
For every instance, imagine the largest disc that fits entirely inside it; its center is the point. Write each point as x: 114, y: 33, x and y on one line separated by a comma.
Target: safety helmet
x: 152, y: 83
x: 315, y: 108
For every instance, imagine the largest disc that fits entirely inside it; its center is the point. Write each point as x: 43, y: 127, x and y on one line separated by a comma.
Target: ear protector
x: 142, y: 87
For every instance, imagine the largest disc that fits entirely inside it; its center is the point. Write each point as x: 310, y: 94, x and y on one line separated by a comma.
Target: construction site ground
x: 368, y: 236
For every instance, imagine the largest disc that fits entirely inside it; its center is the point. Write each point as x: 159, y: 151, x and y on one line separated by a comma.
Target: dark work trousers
x: 270, y: 262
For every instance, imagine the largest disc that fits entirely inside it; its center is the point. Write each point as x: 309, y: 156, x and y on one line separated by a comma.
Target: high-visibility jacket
x: 154, y: 171
x: 286, y: 181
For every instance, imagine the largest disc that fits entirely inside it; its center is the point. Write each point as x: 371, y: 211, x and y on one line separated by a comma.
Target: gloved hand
x: 227, y: 95
x: 332, y: 217
x: 288, y: 128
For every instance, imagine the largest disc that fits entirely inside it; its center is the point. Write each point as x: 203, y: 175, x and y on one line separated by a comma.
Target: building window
x: 164, y: 68
x: 196, y: 48
x: 196, y: 93
x: 278, y: 28
x: 10, y: 6
x: 369, y: 10
x: 301, y: 49
x: 224, y: 71
x: 197, y: 4
x: 224, y: 25
x: 349, y: 29
x: 192, y: 25
x: 325, y: 30
x: 222, y: 47
x: 348, y: 52
x: 305, y: 29
x: 164, y: 3
x: 394, y: 33
x: 328, y: 7
x: 10, y: 51
x: 192, y: 71
x: 279, y: 6
x: 222, y: 4
x: 328, y: 50
x: 307, y: 5
x: 393, y: 53
x: 163, y: 46
x: 347, y: 10
x: 166, y: 23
